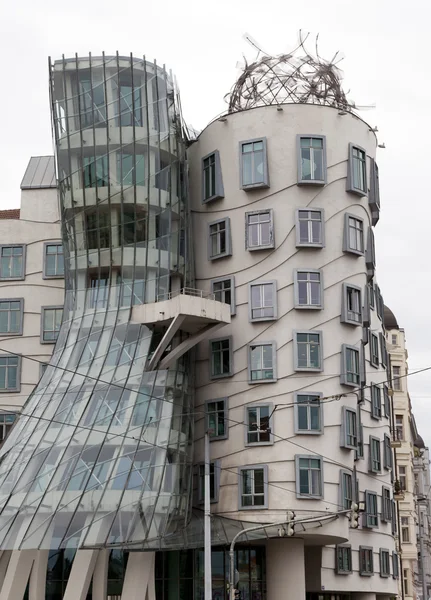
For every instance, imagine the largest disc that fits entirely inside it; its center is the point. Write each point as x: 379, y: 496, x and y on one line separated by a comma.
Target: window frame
x: 374, y: 193
x: 225, y: 400
x: 376, y: 401
x: 362, y: 572
x: 374, y: 356
x: 346, y: 410
x: 371, y: 295
x: 255, y: 405
x: 342, y: 547
x: 273, y: 283
x: 384, y: 573
x: 217, y: 469
x: 405, y: 527
x: 228, y: 251
x: 370, y: 262
x: 24, y: 256
x: 21, y: 317
x: 271, y: 244
x: 387, y: 453
x: 301, y: 181
x: 344, y: 308
x: 42, y: 318
x: 297, y: 480
x: 398, y: 386
x: 296, y: 406
x: 45, y: 246
x: 343, y: 374
x: 230, y: 278
x: 273, y: 345
x: 386, y: 512
x: 260, y: 184
x: 18, y: 373
x: 350, y: 175
x: 383, y: 350
x: 372, y: 468
x: 299, y: 306
x: 219, y: 189
x: 395, y: 565
x: 374, y: 523
x: 308, y: 244
x: 265, y: 486
x: 318, y: 332
x: 230, y: 372
x: 343, y: 492
x: 346, y: 237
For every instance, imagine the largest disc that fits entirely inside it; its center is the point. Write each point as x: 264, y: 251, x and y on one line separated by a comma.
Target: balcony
x: 397, y: 438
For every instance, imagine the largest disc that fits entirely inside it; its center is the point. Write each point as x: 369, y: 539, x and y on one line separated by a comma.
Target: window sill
x: 303, y: 497
x: 307, y: 432
x: 310, y: 245
x: 52, y: 276
x: 10, y: 333
x: 254, y: 248
x: 12, y: 278
x: 212, y: 198
x: 262, y: 319
x: 218, y: 438
x: 384, y: 575
x: 265, y: 507
x: 308, y: 307
x: 253, y: 444
x: 9, y: 391
x: 255, y: 186
x: 353, y: 323
x: 254, y: 381
x: 349, y: 384
x: 313, y: 182
x: 220, y: 256
x: 357, y: 192
x: 48, y: 341
x: 366, y: 574
x: 308, y: 370
x: 343, y: 572
x: 353, y: 252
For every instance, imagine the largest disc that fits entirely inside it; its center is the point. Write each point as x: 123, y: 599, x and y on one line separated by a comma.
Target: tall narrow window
x: 263, y: 301
x: 387, y: 449
x: 371, y: 508
x: 311, y: 159
x: 98, y: 229
x: 309, y: 480
x: 399, y: 427
x: 353, y: 235
x: 309, y: 228
x: 376, y: 401
x: 98, y: 293
x: 394, y: 339
x: 128, y: 99
x: 51, y: 323
x: 11, y: 316
x: 254, y: 171
x: 308, y: 351
x: 253, y: 483
x: 219, y: 239
x: 366, y: 565
x: 259, y: 230
x: 308, y: 289
x: 402, y: 476
x: 308, y: 409
x: 350, y: 437
x: 95, y: 171
x: 386, y: 504
x: 385, y: 569
x: 374, y: 195
x: 221, y: 357
x: 350, y: 366
x: 396, y: 378
x: 224, y: 291
x: 53, y: 260
x: 258, y: 424
x: 130, y: 169
x: 351, y: 310
x: 395, y: 566
x: 405, y: 530
x: 406, y: 585
x: 12, y: 262
x: 347, y: 495
x: 216, y: 411
x: 344, y: 559
x: 9, y: 373
x: 91, y: 93
x: 375, y: 455
x: 212, y: 184
x: 6, y: 422
x: 357, y: 173
x: 262, y: 362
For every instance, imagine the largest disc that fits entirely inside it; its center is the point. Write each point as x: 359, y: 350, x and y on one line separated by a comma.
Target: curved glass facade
x: 103, y: 452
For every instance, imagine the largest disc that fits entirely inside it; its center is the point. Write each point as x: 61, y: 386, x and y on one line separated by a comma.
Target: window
x: 349, y: 431
x: 223, y: 289
x: 98, y: 229
x: 98, y: 293
x: 12, y: 262
x: 350, y: 366
x: 376, y: 401
x: 375, y: 457
x: 366, y: 565
x: 11, y: 316
x: 351, y: 308
x: 308, y: 289
x: 253, y: 486
x: 374, y: 350
x: 311, y: 159
x: 262, y: 365
x: 374, y: 195
x: 371, y: 509
x: 262, y: 301
x: 309, y: 479
x: 371, y: 298
x: 6, y: 422
x: 309, y: 228
x: 353, y: 235
x: 128, y: 100
x: 405, y: 530
x: 219, y: 239
x: 259, y: 424
x: 383, y: 350
x: 384, y: 563
x: 259, y: 230
x: 254, y: 166
x: 370, y: 262
x: 308, y: 413
x: 343, y: 559
x: 387, y: 456
x: 347, y: 495
x: 357, y: 171
x: 402, y: 475
x: 130, y: 169
x: 406, y: 586
x: 51, y: 323
x: 221, y: 357
x: 308, y: 350
x: 212, y: 182
x: 395, y: 566
x: 91, y: 93
x: 95, y: 171
x: 386, y: 504
x: 394, y: 339
x: 53, y: 260
x: 9, y: 373
x: 396, y: 378
x: 399, y: 427
x: 214, y: 481
x: 216, y: 411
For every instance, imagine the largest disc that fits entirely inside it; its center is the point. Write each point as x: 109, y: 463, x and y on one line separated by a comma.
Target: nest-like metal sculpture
x: 297, y: 77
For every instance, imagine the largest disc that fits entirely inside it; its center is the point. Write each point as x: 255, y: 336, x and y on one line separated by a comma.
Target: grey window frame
x: 346, y: 236
x: 376, y: 401
x: 309, y: 244
x: 296, y: 289
x: 273, y: 345
x: 374, y: 356
x: 271, y: 244
x: 344, y: 305
x: 219, y: 190
x: 272, y: 283
x: 371, y: 518
x: 296, y: 406
x: 297, y: 470
x: 319, y: 332
x: 345, y: 442
x: 230, y: 278
x: 343, y: 491
x: 228, y: 251
x: 21, y: 317
x: 374, y: 194
x: 45, y: 246
x: 7, y: 390
x: 385, y: 573
x: 255, y: 405
x: 343, y: 548
x: 362, y: 572
x: 217, y: 469
x: 387, y: 452
x: 373, y: 459
x: 395, y: 565
x: 260, y: 184
x: 350, y: 171
x: 383, y: 350
x: 302, y: 181
x: 225, y: 401
x: 42, y: 318
x: 370, y: 261
x: 24, y: 256
x: 230, y: 372
x: 343, y: 374
x: 265, y: 486
x: 386, y: 514
x: 371, y: 295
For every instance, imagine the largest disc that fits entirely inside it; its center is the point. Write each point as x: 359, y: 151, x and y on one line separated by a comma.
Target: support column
x: 37, y: 589
x: 285, y: 569
x: 100, y: 577
x: 139, y: 579
x: 17, y: 574
x: 81, y: 574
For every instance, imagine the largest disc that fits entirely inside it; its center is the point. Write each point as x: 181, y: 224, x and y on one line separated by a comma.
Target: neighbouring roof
x: 12, y: 213
x: 389, y: 319
x: 40, y: 173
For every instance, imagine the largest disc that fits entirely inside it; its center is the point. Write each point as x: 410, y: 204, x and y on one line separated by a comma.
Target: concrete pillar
x: 100, y: 577
x: 37, y: 589
x: 81, y: 574
x: 139, y: 579
x: 17, y: 574
x: 285, y: 569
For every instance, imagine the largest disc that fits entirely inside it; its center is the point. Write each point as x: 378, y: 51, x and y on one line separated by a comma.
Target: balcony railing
x: 187, y: 292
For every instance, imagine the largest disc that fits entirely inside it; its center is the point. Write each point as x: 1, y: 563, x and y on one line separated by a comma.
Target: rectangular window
x: 216, y: 411
x: 51, y: 323
x: 253, y: 485
x: 347, y: 491
x: 6, y: 422
x: 371, y: 298
x: 214, y: 482
x: 366, y: 564
x: 374, y: 350
x: 258, y: 424
x: 394, y: 339
x: 396, y: 378
x: 353, y: 235
x: 12, y: 262
x: 262, y: 362
x: 98, y: 293
x: 221, y: 358
x: 399, y: 427
x: 350, y: 366
x: 128, y: 107
x: 309, y: 228
x: 130, y: 169
x: 311, y: 159
x: 98, y: 229
x: 374, y: 195
x: 357, y: 171
x: 254, y: 166
x: 406, y: 586
x: 370, y: 262
x: 223, y: 289
x: 351, y: 309
x: 9, y: 373
x: 371, y: 509
x: 259, y: 230
x: 53, y: 260
x: 385, y: 569
x: 395, y: 566
x: 11, y: 316
x: 375, y: 455
x: 386, y: 504
x: 387, y: 449
x: 308, y: 289
x: 309, y: 480
x: 383, y: 350
x: 308, y: 409
x: 219, y: 239
x: 212, y: 182
x: 95, y: 171
x: 376, y: 401
x: 343, y: 556
x: 402, y: 474
x: 405, y: 530
x: 263, y: 301
x: 91, y: 93
x: 349, y: 428
x: 308, y: 350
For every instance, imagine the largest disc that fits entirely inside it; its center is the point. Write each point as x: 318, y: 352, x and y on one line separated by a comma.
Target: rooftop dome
x: 389, y: 319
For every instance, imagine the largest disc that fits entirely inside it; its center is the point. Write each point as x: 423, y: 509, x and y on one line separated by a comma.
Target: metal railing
x: 187, y: 292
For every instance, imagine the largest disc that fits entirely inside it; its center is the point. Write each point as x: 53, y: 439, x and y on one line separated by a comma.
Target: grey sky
x: 386, y: 45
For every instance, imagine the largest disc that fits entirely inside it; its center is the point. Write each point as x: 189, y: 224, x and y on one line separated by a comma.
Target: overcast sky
x: 386, y: 48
